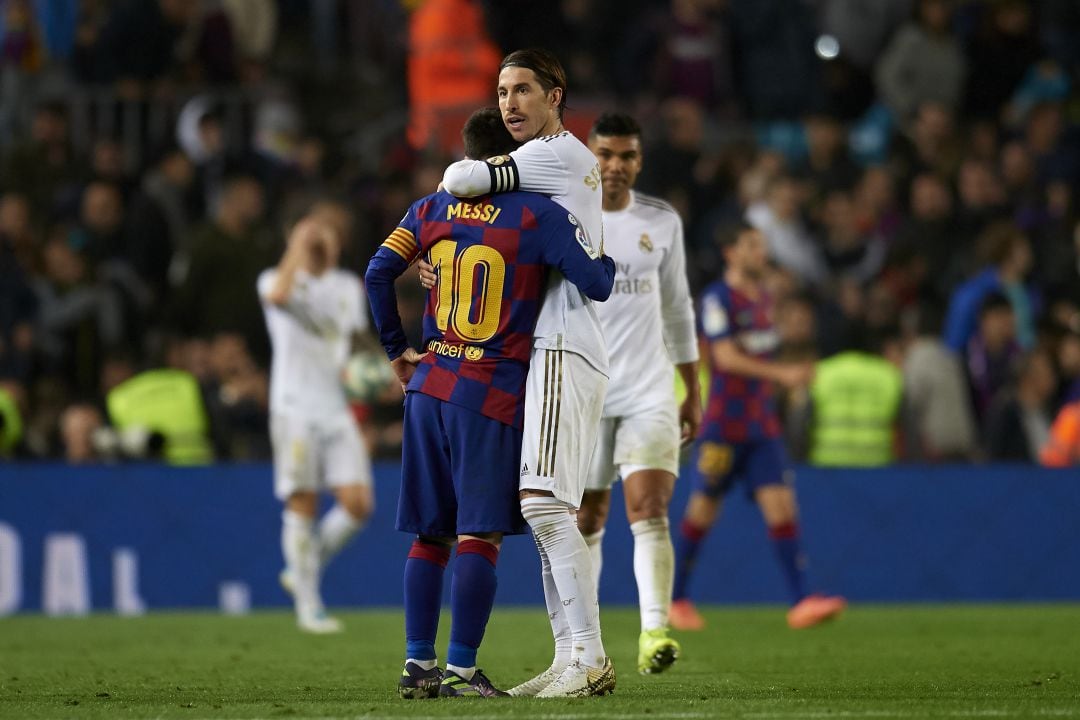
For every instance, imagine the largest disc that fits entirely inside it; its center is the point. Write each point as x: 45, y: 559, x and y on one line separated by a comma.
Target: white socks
x: 336, y: 528
x: 654, y: 569
x: 596, y: 554
x: 300, y: 545
x: 560, y: 628
x: 567, y: 556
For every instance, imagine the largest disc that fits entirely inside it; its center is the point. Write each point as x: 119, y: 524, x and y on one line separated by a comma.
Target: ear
x: 556, y: 97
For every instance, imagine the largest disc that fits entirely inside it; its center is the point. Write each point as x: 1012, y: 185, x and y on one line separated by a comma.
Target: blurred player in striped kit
x: 568, y: 371
x: 465, y: 398
x: 739, y: 440
x: 649, y: 327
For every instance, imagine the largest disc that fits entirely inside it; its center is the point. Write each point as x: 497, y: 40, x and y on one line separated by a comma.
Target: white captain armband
x: 504, y: 174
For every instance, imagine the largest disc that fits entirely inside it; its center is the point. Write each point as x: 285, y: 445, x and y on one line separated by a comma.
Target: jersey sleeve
x: 358, y: 315
x: 391, y: 260
x: 676, y: 305
x: 715, y: 316
x: 567, y: 248
x: 534, y: 167
x: 300, y: 306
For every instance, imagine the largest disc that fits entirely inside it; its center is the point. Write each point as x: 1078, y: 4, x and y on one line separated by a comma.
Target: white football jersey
x: 562, y: 167
x: 311, y: 337
x: 649, y: 319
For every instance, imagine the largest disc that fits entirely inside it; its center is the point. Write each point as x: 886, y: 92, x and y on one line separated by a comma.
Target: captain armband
x: 504, y: 173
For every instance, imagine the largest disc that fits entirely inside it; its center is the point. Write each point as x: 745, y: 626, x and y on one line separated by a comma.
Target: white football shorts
x: 646, y: 440
x: 312, y: 454
x: 564, y: 399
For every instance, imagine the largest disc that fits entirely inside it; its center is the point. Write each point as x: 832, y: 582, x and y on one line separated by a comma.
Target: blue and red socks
x: 687, y: 544
x: 472, y: 595
x: 785, y: 540
x: 424, y: 570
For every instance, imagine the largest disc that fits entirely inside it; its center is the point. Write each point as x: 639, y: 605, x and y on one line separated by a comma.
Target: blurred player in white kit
x: 315, y: 312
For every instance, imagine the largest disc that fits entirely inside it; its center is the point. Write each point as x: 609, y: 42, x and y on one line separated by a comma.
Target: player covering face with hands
x: 315, y: 315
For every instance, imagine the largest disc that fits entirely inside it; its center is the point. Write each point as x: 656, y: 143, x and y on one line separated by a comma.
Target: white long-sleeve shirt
x: 562, y: 167
x: 649, y: 319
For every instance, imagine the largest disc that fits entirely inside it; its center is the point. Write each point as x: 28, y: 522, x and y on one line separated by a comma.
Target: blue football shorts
x: 459, y: 471
x: 717, y: 465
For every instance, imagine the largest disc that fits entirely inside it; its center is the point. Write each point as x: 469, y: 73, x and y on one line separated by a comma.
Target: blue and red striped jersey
x: 740, y: 408
x: 492, y: 256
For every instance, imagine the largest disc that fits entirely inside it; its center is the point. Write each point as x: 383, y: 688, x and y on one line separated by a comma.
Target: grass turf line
x: 959, y: 661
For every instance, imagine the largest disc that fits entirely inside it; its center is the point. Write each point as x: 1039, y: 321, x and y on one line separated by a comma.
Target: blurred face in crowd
x: 229, y: 356
x: 1069, y: 355
x: 997, y: 327
x: 796, y: 322
x: 527, y: 110
x: 1012, y: 17
x: 102, y: 208
x: 178, y: 169
x: 684, y: 121
x: 824, y: 136
x: 14, y: 216
x: 935, y: 15
x: 243, y: 199
x: 1045, y: 126
x: 63, y: 265
x: 930, y: 199
x: 1039, y: 376
x: 784, y: 199
x: 933, y: 123
x: 620, y: 163
x: 979, y: 187
x: 840, y: 219
x: 49, y: 127
x: 876, y: 192
x: 77, y: 426
x: 749, y: 255
x: 108, y: 159
x: 1017, y: 168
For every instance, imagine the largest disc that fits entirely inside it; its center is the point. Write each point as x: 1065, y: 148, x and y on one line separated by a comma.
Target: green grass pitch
x: 956, y: 661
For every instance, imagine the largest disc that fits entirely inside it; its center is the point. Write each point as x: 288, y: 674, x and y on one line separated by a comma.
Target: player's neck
x: 743, y: 283
x: 616, y: 201
x: 551, y: 127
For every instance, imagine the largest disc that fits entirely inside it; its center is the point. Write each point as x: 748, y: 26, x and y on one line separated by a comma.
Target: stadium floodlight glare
x: 827, y: 47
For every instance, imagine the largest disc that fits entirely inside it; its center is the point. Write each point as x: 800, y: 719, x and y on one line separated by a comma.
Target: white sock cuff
x: 543, y: 509
x: 595, y: 538
x: 339, y: 515
x: 650, y: 525
x: 293, y: 519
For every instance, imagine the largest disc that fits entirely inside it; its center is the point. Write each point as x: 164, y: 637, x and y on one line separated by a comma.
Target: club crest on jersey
x: 579, y: 235
x: 645, y: 243
x: 473, y: 353
x: 498, y: 160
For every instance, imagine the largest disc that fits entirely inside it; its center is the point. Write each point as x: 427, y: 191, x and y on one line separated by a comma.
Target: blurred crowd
x: 914, y: 165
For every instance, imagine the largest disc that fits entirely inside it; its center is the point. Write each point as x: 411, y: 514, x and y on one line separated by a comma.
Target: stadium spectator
x: 1008, y: 255
x: 790, y: 243
x: 1018, y: 422
x: 923, y: 62
x: 991, y: 352
x: 938, y: 423
x: 227, y: 255
x: 1062, y: 448
x: 78, y: 423
x: 999, y: 54
x: 855, y: 405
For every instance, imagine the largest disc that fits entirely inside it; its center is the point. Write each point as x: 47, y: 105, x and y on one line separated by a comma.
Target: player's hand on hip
x: 689, y: 419
x: 427, y: 273
x: 404, y: 365
x: 797, y: 375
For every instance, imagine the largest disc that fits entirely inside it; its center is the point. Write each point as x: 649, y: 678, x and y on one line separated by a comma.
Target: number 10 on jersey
x: 475, y: 277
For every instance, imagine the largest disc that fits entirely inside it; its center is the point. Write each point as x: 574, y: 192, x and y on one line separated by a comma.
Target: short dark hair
x: 547, y: 68
x: 485, y: 135
x: 728, y: 235
x: 999, y: 240
x: 995, y: 301
x: 615, y: 125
